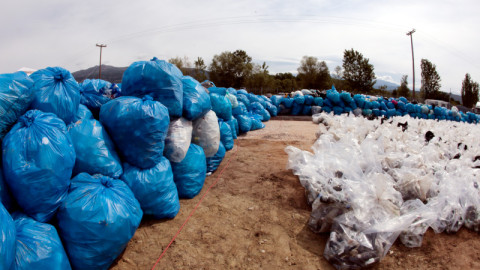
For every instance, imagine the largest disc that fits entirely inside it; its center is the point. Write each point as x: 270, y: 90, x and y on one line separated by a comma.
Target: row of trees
x: 236, y: 69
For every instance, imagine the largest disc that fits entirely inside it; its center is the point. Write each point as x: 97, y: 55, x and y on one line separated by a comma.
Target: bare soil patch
x: 256, y: 216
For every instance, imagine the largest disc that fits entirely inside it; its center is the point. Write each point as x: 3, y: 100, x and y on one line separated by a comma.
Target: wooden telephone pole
x: 413, y: 62
x: 100, y: 67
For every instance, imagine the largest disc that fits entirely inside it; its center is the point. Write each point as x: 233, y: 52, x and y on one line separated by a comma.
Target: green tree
x: 231, y: 69
x: 260, y: 81
x: 469, y: 92
x: 403, y: 90
x: 357, y: 71
x: 430, y: 79
x: 285, y: 82
x: 183, y: 63
x: 200, y: 69
x: 313, y: 74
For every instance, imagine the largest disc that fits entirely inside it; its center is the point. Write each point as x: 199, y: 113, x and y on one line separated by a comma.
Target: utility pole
x: 100, y: 67
x: 413, y: 61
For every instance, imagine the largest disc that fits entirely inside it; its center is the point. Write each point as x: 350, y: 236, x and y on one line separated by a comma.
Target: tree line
x: 236, y: 69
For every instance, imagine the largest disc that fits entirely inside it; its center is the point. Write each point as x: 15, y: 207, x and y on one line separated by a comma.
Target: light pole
x: 413, y: 61
x: 100, y: 67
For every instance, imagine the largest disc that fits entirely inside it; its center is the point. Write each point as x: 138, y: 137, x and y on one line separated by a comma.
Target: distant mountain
x: 390, y: 86
x: 109, y: 73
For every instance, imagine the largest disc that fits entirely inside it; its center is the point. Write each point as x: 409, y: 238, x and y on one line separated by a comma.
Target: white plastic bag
x: 206, y: 133
x: 178, y: 139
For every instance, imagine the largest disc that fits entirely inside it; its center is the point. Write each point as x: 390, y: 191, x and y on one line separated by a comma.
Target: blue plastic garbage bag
x: 189, y: 174
x: 337, y: 110
x: 226, y: 137
x: 232, y: 91
x: 218, y: 90
x: 16, y: 95
x: 288, y: 102
x: 138, y: 126
x: 265, y: 115
x: 196, y: 101
x: 5, y: 196
x: 240, y: 109
x: 38, y: 158
x: 233, y: 126
x: 56, y: 91
x: 244, y: 99
x: 83, y: 113
x: 307, y: 110
x: 276, y: 100
x: 154, y: 189
x: 309, y: 100
x: 297, y: 108
x: 256, y: 121
x: 214, y: 162
x: 359, y: 100
x: 96, y: 220
x: 92, y: 94
x: 94, y: 149
x: 242, y: 91
x: 346, y: 97
x: 7, y: 239
x: 157, y: 78
x: 318, y: 101
x: 221, y: 106
x: 244, y: 123
x: 299, y: 99
x: 271, y: 109
x: 327, y: 109
x: 333, y: 96
x: 38, y: 245
x: 254, y: 98
x: 367, y: 112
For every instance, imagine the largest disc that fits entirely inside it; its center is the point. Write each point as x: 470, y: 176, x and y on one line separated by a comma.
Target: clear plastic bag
x: 178, y: 139
x: 206, y: 133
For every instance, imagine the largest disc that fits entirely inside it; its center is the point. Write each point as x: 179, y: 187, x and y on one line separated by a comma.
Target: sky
x: 38, y: 34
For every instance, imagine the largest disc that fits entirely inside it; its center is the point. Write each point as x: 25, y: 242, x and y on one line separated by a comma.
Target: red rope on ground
x: 194, y: 209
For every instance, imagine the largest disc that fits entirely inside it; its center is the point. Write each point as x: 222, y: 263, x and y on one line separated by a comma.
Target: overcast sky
x: 38, y: 34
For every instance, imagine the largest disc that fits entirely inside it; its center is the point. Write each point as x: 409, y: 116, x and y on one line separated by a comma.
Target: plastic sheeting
x: 95, y: 151
x: 96, y: 220
x: 154, y: 189
x: 226, y: 137
x: 16, y: 94
x: 38, y: 158
x: 178, y: 139
x: 221, y: 106
x: 157, y: 78
x: 206, y: 133
x: 7, y: 239
x: 92, y: 94
x: 38, y: 245
x: 189, y: 174
x: 138, y: 126
x: 56, y: 91
x: 196, y: 101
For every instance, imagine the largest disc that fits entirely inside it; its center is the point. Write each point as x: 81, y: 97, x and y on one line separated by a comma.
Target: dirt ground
x: 256, y: 216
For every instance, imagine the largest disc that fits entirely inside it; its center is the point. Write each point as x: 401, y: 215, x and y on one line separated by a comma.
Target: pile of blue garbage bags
x: 300, y: 103
x: 82, y: 163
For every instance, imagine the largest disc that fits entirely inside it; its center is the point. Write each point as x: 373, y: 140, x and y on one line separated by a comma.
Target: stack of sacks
x: 138, y: 127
